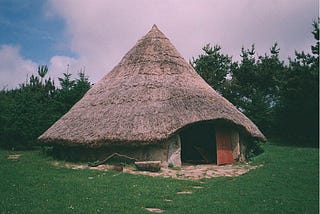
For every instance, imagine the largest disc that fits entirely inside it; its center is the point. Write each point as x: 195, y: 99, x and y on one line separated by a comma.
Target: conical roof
x: 149, y: 96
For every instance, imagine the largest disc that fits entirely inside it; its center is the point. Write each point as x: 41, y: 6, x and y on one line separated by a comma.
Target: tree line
x: 30, y: 109
x: 282, y: 99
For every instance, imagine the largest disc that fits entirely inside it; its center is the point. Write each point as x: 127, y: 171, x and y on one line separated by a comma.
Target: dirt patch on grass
x: 185, y: 172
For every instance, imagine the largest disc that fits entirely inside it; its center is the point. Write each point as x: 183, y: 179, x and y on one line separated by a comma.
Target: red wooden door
x: 224, y: 151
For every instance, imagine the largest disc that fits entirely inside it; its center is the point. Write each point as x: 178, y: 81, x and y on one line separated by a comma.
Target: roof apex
x: 154, y: 27
x: 154, y: 32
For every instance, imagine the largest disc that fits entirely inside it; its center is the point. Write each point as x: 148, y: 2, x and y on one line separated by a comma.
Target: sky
x: 74, y: 35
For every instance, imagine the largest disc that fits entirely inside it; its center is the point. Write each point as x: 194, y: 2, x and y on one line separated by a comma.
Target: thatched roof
x: 149, y: 96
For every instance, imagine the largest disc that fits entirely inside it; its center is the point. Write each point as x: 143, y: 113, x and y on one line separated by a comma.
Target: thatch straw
x: 149, y: 96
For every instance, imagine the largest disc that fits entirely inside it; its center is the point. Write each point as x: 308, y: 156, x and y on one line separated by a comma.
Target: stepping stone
x: 197, y: 187
x: 155, y: 210
x: 13, y: 157
x: 184, y: 192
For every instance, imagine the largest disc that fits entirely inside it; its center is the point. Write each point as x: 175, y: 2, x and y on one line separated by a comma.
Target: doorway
x: 198, y: 144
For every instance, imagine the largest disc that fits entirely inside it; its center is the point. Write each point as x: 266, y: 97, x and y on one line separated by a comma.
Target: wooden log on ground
x: 152, y: 166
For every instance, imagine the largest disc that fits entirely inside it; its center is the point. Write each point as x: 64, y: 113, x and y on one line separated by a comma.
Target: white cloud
x: 14, y: 69
x: 102, y: 31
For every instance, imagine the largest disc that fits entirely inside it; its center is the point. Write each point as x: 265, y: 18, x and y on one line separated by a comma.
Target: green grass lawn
x: 288, y: 182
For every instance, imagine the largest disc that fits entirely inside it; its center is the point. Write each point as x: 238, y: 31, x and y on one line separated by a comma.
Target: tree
x: 315, y: 32
x: 255, y: 85
x: 243, y: 80
x: 42, y: 71
x: 26, y: 112
x: 299, y: 105
x: 66, y: 82
x: 82, y: 85
x: 214, y: 67
x: 72, y: 90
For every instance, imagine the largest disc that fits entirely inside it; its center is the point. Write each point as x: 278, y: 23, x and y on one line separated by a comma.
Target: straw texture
x: 149, y: 96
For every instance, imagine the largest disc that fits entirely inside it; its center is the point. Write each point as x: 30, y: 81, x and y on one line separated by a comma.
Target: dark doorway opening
x: 198, y: 144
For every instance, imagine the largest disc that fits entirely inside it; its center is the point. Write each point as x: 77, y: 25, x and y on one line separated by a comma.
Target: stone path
x: 195, y: 172
x: 185, y: 172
